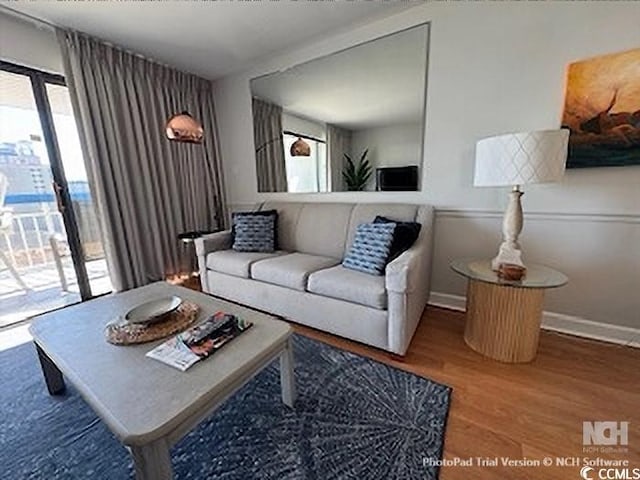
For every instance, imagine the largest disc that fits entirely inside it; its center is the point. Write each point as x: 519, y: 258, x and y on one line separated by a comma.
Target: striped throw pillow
x: 370, y: 249
x: 254, y: 233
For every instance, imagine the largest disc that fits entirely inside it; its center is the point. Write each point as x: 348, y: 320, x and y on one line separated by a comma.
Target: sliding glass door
x: 51, y: 251
x: 74, y: 176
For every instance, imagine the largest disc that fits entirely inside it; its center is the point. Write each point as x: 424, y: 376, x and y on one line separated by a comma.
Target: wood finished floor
x: 531, y: 410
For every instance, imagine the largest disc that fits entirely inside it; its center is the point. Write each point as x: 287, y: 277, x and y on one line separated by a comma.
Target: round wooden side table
x: 503, y: 316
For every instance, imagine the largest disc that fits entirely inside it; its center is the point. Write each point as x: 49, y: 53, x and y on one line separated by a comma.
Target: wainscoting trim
x: 541, y: 216
x: 477, y: 213
x: 558, y: 322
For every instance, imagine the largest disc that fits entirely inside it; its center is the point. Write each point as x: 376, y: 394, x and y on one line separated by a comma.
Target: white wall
x: 303, y: 126
x: 26, y: 44
x: 494, y: 67
x: 389, y: 146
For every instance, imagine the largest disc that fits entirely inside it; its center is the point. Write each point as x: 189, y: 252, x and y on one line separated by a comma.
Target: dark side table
x: 193, y: 281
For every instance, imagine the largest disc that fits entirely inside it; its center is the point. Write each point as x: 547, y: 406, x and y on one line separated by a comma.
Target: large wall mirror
x: 350, y: 121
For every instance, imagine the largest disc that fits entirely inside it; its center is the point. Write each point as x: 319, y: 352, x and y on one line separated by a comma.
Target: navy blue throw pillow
x: 370, y: 249
x: 404, y: 236
x: 255, y: 231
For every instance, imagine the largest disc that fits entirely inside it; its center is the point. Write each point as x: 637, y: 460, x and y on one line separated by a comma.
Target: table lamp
x: 517, y: 159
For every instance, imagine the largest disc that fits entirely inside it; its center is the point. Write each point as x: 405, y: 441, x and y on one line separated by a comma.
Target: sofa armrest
x: 405, y: 274
x: 213, y: 242
x: 407, y: 280
x: 207, y: 244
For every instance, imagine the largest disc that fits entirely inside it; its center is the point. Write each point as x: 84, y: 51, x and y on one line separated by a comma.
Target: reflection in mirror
x: 353, y: 120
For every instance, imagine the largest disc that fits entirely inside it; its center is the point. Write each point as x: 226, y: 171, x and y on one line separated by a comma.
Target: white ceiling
x: 378, y: 83
x: 209, y: 38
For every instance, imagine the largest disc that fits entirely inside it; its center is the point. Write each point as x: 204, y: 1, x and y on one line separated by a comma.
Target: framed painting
x: 602, y: 111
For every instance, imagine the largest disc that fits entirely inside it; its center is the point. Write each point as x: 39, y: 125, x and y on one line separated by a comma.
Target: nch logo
x: 605, y: 433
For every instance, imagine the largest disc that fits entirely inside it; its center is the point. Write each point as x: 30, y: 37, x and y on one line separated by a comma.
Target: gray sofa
x: 304, y: 282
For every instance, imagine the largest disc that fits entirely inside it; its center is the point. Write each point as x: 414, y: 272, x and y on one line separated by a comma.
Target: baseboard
x: 447, y: 300
x: 558, y: 322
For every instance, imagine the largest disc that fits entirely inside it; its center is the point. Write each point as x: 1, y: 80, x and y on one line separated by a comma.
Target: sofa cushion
x: 291, y: 270
x: 236, y: 263
x: 288, y: 213
x: 322, y: 229
x: 344, y: 284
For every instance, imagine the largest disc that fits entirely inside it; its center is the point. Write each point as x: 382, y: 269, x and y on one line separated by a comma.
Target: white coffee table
x: 149, y: 406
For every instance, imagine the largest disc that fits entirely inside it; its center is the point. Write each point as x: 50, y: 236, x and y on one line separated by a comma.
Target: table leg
x: 52, y: 375
x: 152, y: 461
x: 287, y: 378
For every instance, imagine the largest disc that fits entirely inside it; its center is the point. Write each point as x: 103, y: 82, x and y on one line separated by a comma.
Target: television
x: 397, y: 179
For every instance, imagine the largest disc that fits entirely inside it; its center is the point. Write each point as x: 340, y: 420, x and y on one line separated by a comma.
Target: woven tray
x: 121, y: 332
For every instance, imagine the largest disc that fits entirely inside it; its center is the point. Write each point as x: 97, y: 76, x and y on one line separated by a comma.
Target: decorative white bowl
x: 154, y: 310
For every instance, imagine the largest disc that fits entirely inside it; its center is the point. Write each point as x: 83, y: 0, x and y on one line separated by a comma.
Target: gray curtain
x: 267, y: 134
x: 147, y: 189
x: 338, y: 143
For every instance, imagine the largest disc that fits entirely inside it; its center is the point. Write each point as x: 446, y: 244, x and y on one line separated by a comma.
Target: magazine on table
x: 200, y: 341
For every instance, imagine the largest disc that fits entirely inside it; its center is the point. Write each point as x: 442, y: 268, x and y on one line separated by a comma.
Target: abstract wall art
x: 602, y: 110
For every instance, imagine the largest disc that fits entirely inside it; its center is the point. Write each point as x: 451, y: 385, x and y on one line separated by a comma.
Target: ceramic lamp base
x: 507, y: 254
x: 511, y: 227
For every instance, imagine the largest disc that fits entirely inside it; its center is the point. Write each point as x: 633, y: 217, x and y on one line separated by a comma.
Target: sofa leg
x: 396, y: 358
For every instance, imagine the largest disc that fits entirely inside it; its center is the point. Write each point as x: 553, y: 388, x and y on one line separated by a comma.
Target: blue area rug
x: 354, y: 419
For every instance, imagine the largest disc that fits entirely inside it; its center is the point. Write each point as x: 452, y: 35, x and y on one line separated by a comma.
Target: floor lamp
x: 517, y: 159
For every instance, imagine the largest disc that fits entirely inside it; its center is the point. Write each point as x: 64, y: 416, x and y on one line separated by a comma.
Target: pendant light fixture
x: 300, y: 148
x: 184, y: 128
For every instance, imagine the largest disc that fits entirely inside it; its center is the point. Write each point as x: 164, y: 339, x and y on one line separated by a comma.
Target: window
x: 306, y: 174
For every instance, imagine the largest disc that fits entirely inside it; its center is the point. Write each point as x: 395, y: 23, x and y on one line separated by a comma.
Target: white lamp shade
x: 521, y: 158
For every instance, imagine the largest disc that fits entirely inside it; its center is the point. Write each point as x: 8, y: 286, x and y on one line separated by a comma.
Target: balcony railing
x: 42, y: 277
x: 27, y: 242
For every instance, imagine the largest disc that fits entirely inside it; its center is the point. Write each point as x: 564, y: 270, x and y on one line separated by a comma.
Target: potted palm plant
x: 356, y: 175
